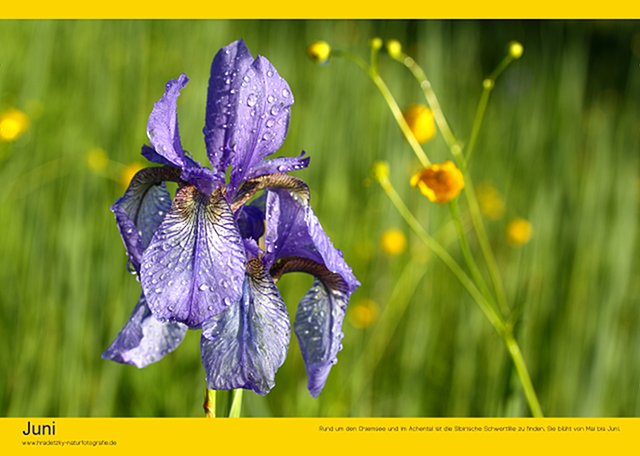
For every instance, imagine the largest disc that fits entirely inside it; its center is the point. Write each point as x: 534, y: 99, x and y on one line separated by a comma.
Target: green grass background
x: 560, y: 142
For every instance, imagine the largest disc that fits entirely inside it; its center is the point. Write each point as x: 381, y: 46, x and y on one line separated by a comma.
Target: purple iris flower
x: 199, y: 257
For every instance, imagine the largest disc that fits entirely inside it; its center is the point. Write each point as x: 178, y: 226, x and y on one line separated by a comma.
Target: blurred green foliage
x: 560, y: 143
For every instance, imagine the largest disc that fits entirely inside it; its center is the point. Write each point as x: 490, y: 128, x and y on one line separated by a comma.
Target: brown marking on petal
x: 331, y: 280
x: 295, y: 186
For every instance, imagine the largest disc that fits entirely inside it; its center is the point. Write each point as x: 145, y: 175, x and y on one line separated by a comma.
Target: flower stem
x: 466, y: 251
x: 236, y: 404
x: 210, y: 403
x: 432, y: 101
x: 391, y: 103
x: 490, y: 313
x: 487, y: 88
x: 523, y: 374
x: 442, y: 253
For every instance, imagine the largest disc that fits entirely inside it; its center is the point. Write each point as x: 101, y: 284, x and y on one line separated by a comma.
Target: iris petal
x: 227, y: 70
x: 244, y: 346
x: 262, y: 118
x: 162, y: 128
x: 279, y: 165
x: 194, y: 266
x: 141, y: 210
x: 293, y: 230
x: 144, y: 339
x: 318, y: 327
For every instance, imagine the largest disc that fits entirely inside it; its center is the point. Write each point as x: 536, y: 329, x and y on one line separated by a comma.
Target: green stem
x: 391, y: 103
x: 466, y: 251
x: 523, y: 374
x: 494, y: 318
x: 442, y: 253
x: 210, y: 403
x: 432, y: 100
x: 487, y: 87
x: 485, y: 245
x: 236, y: 404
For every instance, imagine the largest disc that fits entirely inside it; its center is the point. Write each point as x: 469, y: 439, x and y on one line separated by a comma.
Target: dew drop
x: 286, y: 93
x: 270, y: 123
x: 252, y: 99
x: 159, y: 290
x: 270, y: 73
x: 274, y: 110
x: 271, y: 98
x: 203, y: 287
x: 266, y: 137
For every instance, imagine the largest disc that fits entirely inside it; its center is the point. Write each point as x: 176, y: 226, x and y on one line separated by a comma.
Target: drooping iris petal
x: 227, y: 70
x: 194, y: 266
x: 294, y: 236
x: 279, y: 165
x: 318, y: 327
x: 293, y: 230
x: 262, y: 118
x: 142, y: 208
x: 244, y: 346
x: 144, y: 339
x: 162, y: 128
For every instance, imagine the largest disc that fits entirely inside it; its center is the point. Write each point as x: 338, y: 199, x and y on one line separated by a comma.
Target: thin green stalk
x: 442, y: 253
x: 391, y: 103
x: 487, y: 87
x: 210, y: 403
x: 523, y: 374
x: 434, y: 104
x: 493, y: 317
x: 466, y: 251
x: 485, y: 246
x: 236, y: 404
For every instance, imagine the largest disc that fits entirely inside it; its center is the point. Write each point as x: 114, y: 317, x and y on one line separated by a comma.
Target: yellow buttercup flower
x: 13, y: 123
x: 519, y: 232
x: 491, y: 203
x: 380, y: 170
x: 421, y: 122
x: 393, y: 241
x: 97, y: 160
x: 319, y: 51
x: 128, y: 172
x: 440, y: 182
x: 363, y: 313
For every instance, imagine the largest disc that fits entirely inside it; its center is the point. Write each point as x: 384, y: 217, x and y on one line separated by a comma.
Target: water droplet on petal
x: 270, y: 73
x: 275, y: 109
x: 286, y: 93
x: 203, y: 287
x: 271, y: 98
x: 270, y: 123
x: 252, y: 99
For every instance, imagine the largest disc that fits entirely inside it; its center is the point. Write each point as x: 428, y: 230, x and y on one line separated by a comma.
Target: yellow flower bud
x: 319, y: 51
x: 381, y: 170
x: 394, y: 48
x: 519, y: 232
x: 515, y: 49
x: 97, y: 159
x: 128, y: 172
x: 440, y: 182
x: 13, y: 123
x: 421, y: 122
x: 393, y: 242
x: 363, y: 313
x: 376, y: 43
